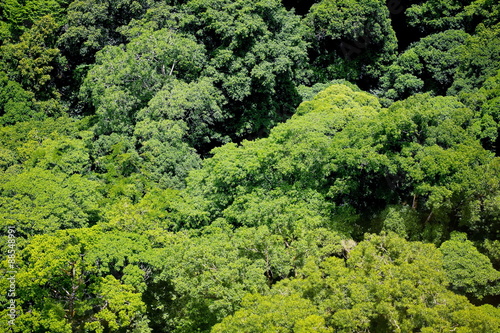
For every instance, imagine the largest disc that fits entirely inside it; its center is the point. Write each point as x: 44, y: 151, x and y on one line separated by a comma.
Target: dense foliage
x: 238, y: 166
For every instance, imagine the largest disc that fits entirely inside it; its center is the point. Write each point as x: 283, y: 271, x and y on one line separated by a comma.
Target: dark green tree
x: 93, y: 24
x: 32, y: 62
x: 438, y: 16
x: 16, y: 104
x: 470, y: 273
x: 353, y: 40
x: 479, y: 59
x: 428, y: 65
x: 257, y: 54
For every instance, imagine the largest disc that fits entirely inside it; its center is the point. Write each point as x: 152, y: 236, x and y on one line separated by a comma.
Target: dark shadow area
x: 404, y: 33
x: 301, y: 7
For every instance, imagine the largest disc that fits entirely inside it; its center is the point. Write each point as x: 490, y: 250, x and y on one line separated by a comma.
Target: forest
x: 233, y: 166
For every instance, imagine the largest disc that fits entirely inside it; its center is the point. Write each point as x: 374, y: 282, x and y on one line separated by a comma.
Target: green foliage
x: 59, y: 144
x: 385, y: 285
x: 34, y: 132
x: 115, y: 156
x: 151, y: 212
x: 492, y: 250
x: 479, y: 59
x: 188, y: 189
x: 361, y: 29
x: 41, y: 201
x: 31, y: 60
x: 167, y: 159
x: 18, y: 16
x: 308, y: 93
x: 485, y: 102
x: 201, y: 280
x: 31, y: 63
x: 93, y: 24
x: 60, y: 154
x: 16, y: 104
x: 274, y: 314
x: 438, y: 15
x: 339, y: 155
x: 44, y: 183
x: 290, y: 169
x: 152, y: 141
x: 194, y: 106
x: 470, y: 272
x: 420, y: 151
x: 80, y: 280
x: 428, y: 65
x: 401, y: 220
x: 251, y: 53
x: 125, y: 79
x: 203, y: 276
x: 256, y: 54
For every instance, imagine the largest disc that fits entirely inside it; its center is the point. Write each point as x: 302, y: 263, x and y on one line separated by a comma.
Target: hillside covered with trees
x: 250, y: 166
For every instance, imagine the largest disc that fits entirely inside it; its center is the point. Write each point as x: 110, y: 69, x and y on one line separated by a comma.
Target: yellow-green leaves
x: 40, y: 201
x: 284, y: 314
x: 81, y: 279
x: 386, y: 284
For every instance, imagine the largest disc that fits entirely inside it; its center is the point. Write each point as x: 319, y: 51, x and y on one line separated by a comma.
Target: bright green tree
x: 59, y: 144
x: 81, y: 280
x: 281, y: 313
x: 289, y: 170
x: 386, y: 285
x: 40, y: 201
x: 345, y: 160
x: 201, y: 276
x: 18, y: 16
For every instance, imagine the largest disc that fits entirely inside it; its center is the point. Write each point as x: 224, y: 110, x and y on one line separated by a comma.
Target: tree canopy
x: 233, y: 166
